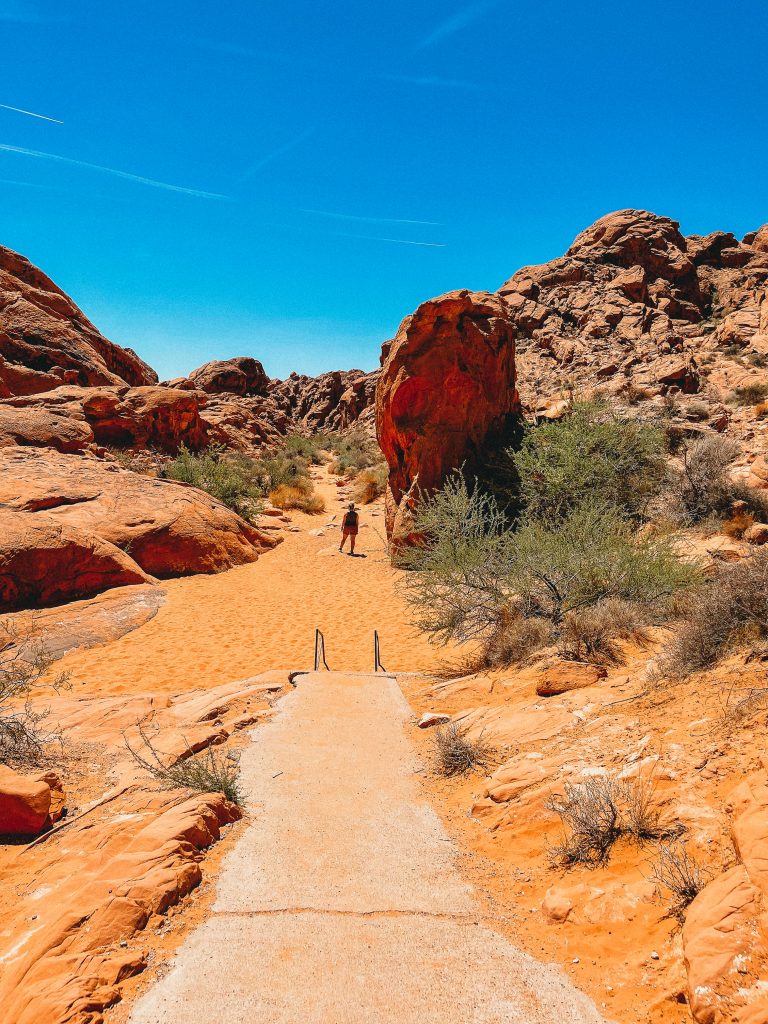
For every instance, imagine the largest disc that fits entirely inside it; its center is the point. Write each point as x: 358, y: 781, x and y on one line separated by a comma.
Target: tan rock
x: 563, y: 676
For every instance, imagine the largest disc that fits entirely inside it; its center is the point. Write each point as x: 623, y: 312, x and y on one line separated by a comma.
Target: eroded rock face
x: 447, y: 386
x: 102, y: 526
x: 71, y: 418
x: 46, y: 341
x: 332, y: 401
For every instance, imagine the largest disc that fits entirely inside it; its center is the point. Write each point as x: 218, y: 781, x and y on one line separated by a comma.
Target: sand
x: 213, y: 629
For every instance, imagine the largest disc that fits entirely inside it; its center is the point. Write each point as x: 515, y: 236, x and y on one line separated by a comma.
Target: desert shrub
x: 697, y: 411
x: 680, y: 874
x: 209, y: 772
x: 737, y: 523
x: 279, y: 468
x: 457, y: 754
x: 671, y: 402
x: 589, y: 452
x: 514, y: 641
x: 310, y: 448
x: 749, y: 394
x: 231, y: 478
x: 590, y: 814
x: 758, y: 360
x: 702, y: 486
x: 761, y: 410
x: 591, y: 634
x: 370, y: 484
x: 353, y: 452
x: 597, y: 812
x: 23, y: 665
x: 473, y: 574
x: 634, y: 393
x: 729, y: 611
x: 297, y: 496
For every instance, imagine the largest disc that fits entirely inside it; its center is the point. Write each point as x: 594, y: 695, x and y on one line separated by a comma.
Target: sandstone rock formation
x: 447, y: 386
x: 332, y: 401
x: 80, y: 525
x: 634, y: 301
x: 46, y: 341
x: 241, y: 376
x: 71, y: 418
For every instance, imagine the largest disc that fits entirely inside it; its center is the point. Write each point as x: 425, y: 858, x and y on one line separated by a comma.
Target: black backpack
x: 350, y: 520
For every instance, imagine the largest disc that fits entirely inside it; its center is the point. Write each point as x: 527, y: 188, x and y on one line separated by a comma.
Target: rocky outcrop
x: 72, y: 418
x: 241, y: 376
x: 99, y: 526
x: 635, y: 302
x: 332, y: 401
x: 447, y: 387
x: 28, y: 803
x: 46, y: 341
x: 724, y: 935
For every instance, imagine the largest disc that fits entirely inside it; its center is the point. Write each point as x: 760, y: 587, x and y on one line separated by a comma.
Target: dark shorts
x: 349, y: 531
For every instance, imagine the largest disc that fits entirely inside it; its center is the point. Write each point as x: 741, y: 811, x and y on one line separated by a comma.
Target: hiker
x: 349, y: 528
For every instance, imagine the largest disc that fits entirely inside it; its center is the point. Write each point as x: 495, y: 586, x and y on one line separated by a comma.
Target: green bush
x: 231, y: 478
x: 590, y: 453
x: 353, y: 452
x: 473, y: 574
x: 309, y: 449
x: 749, y: 394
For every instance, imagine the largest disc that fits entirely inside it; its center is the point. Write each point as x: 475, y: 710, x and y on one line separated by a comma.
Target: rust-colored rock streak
x: 446, y: 386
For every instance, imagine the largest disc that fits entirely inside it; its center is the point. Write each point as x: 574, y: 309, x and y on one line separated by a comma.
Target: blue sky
x: 333, y: 164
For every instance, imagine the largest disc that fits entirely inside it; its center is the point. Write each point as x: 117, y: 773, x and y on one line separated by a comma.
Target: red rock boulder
x: 28, y: 803
x: 68, y: 418
x: 162, y: 527
x: 43, y: 561
x: 242, y: 376
x: 447, y: 386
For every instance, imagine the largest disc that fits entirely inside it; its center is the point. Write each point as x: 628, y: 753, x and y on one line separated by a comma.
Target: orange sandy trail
x: 213, y: 629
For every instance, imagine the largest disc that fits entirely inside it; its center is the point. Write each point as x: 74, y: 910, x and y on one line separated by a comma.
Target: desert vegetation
x: 207, y: 772
x: 457, y: 752
x: 24, y: 664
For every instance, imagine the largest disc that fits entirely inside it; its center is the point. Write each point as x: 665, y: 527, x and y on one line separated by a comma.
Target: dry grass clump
x: 209, y: 772
x: 760, y: 411
x: 592, y: 634
x: 514, y: 642
x: 728, y: 612
x: 680, y: 874
x: 737, y: 523
x: 297, y: 496
x: 702, y: 486
x: 598, y: 812
x: 457, y: 754
x: 370, y: 484
x: 749, y: 394
x: 23, y: 664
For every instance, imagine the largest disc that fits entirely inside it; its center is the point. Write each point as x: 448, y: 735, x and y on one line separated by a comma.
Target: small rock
x: 433, y: 718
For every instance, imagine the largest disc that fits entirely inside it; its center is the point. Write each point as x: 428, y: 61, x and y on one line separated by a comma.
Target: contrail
x: 400, y: 241
x: 110, y: 170
x: 30, y: 113
x: 461, y: 19
x: 285, y: 148
x: 370, y: 220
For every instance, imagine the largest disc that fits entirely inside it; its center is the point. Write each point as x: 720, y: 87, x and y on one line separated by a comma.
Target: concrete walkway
x: 341, y: 903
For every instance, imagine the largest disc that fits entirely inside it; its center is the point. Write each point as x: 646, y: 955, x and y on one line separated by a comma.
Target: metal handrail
x: 320, y: 651
x: 377, y: 666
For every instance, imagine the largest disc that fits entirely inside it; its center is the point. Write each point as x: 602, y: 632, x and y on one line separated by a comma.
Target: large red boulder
x: 43, y: 562
x: 124, y: 525
x: 447, y: 386
x: 46, y: 341
x: 28, y: 803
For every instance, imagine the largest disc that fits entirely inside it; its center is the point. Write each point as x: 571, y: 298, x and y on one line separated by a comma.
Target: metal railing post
x: 377, y: 666
x: 320, y: 651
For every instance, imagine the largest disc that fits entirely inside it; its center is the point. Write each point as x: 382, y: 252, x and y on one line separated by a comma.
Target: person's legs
x: 352, y: 543
x: 343, y: 538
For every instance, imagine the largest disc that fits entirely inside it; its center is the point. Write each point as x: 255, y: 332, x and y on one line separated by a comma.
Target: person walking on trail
x: 349, y: 526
